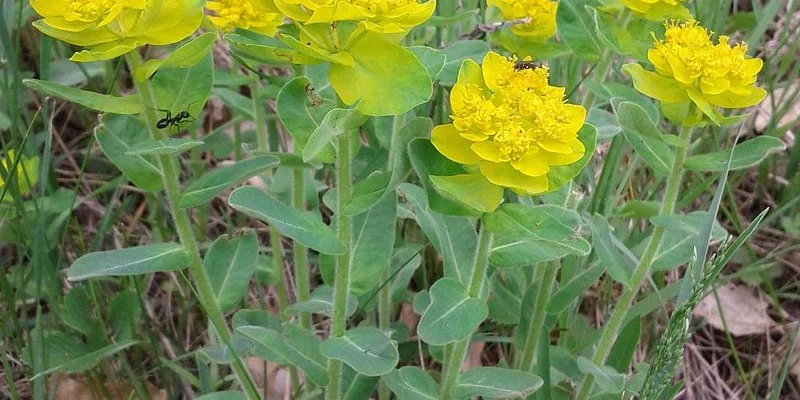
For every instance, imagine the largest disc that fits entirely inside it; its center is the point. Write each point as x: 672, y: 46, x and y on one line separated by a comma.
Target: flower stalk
x: 531, y: 343
x: 458, y: 352
x: 171, y: 172
x: 342, y: 274
x: 617, y: 319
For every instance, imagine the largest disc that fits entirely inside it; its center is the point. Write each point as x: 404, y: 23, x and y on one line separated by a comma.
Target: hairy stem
x: 342, y: 274
x: 537, y: 321
x: 171, y: 173
x: 452, y: 369
x: 617, y: 319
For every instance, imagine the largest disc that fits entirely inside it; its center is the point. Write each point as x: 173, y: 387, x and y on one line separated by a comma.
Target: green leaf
x: 432, y: 59
x: 456, y: 54
x: 322, y: 303
x: 574, y: 289
x: 236, y: 102
x: 561, y: 175
x: 125, y: 312
x: 515, y: 253
x: 224, y: 395
x: 412, y: 383
x: 381, y: 68
x: 94, y: 101
x: 554, y: 226
x: 497, y: 383
x: 170, y: 146
x: 263, y: 49
x: 221, y: 353
x: 576, y: 28
x: 607, y: 378
x: 230, y: 263
x: 474, y: 190
x: 745, y: 155
x: 76, y: 311
x: 301, y: 106
x: 452, y: 314
x: 642, y: 134
x: 297, y: 345
x: 338, y: 121
x: 419, y: 127
x: 356, y: 386
x: 263, y: 319
x: 633, y: 39
x: 367, y: 350
x: 132, y: 261
x: 373, y: 240
x: 184, y: 56
x: 427, y: 162
x: 303, y: 228
x: 116, y: 136
x: 506, y: 298
x: 367, y: 192
x: 608, y: 248
x: 86, y: 361
x: 453, y: 237
x: 210, y: 185
x: 184, y: 89
x: 677, y: 245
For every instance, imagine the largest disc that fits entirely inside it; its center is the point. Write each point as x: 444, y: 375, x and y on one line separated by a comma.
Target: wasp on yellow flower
x: 541, y: 13
x: 381, y: 16
x: 259, y: 16
x: 691, y: 69
x: 111, y: 28
x: 510, y: 124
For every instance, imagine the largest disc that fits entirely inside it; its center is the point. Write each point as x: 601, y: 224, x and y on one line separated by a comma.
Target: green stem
x: 452, y: 369
x: 301, y: 271
x: 536, y: 326
x: 262, y: 142
x: 385, y: 295
x: 342, y: 274
x: 171, y: 174
x: 641, y: 272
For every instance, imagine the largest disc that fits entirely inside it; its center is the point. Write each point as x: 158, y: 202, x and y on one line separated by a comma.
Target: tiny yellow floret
x: 252, y: 15
x: 511, y: 123
x: 541, y: 13
x: 689, y: 66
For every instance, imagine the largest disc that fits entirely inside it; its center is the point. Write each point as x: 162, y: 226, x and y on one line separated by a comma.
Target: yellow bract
x: 27, y: 172
x: 260, y: 16
x: 542, y: 15
x: 511, y: 123
x: 382, y: 16
x: 110, y: 28
x: 690, y: 67
x: 659, y: 10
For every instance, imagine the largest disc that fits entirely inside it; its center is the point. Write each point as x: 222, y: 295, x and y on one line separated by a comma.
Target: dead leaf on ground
x: 745, y: 313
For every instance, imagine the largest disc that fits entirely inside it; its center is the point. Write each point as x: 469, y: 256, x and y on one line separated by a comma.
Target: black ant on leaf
x: 175, y: 121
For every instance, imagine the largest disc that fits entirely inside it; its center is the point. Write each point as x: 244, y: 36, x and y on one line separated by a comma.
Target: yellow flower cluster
x: 259, y: 16
x: 542, y: 15
x: 659, y: 10
x: 27, y: 172
x: 689, y: 66
x: 382, y: 16
x: 510, y: 122
x: 110, y: 28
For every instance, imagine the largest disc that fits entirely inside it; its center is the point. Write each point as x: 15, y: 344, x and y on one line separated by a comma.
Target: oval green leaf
x: 210, y: 185
x: 367, y: 350
x: 305, y: 229
x: 132, y: 261
x: 452, y: 314
x: 94, y: 101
